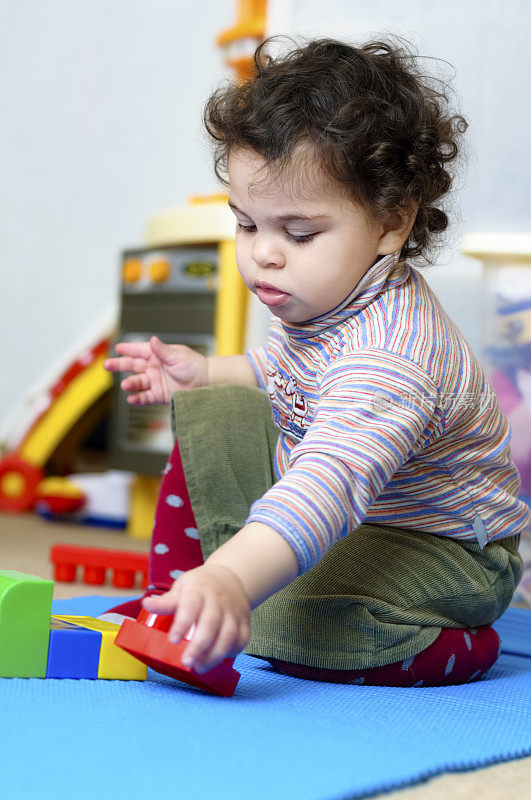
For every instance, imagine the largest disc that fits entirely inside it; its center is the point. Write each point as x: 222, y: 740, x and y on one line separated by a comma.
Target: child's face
x: 301, y: 244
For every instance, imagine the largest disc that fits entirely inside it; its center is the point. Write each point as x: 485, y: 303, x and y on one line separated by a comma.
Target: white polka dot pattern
x: 174, y: 501
x: 450, y: 665
x: 176, y: 573
x: 407, y: 662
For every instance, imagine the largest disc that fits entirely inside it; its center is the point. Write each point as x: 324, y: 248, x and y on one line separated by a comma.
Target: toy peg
x: 123, y: 578
x: 147, y: 639
x: 65, y: 573
x: 94, y: 575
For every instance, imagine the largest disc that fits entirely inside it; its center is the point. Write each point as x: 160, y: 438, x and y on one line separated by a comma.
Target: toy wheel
x: 18, y: 483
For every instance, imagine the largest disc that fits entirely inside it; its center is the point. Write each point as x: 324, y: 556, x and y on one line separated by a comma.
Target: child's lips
x: 270, y: 295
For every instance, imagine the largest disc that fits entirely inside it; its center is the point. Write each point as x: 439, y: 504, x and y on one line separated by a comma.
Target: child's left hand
x: 211, y: 596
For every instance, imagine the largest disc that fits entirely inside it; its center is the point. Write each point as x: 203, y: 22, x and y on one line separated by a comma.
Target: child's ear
x: 397, y: 229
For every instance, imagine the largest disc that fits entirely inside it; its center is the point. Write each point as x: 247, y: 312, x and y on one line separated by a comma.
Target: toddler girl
x: 341, y: 502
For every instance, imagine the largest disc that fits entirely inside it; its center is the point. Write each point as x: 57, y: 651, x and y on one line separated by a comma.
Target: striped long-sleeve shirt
x: 385, y: 417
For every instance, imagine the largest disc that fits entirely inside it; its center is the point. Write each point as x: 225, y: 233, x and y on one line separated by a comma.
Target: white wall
x: 100, y: 104
x: 487, y: 42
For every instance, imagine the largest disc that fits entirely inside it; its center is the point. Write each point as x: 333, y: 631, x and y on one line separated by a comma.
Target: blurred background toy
x: 506, y: 352
x: 182, y: 284
x: 52, y: 421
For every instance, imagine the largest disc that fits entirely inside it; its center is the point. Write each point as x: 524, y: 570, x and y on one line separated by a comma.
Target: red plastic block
x: 96, y: 561
x: 147, y: 640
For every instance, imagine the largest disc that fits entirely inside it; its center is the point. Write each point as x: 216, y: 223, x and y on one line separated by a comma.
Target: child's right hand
x: 159, y: 370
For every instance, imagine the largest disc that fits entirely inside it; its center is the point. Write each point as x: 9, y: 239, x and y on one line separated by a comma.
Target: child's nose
x: 266, y: 253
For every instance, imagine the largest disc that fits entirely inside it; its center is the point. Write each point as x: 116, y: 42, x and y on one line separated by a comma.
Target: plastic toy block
x: 25, y: 613
x: 114, y: 663
x: 95, y: 562
x: 74, y: 651
x: 147, y: 639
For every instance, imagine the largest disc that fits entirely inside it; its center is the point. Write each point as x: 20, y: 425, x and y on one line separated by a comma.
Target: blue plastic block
x: 74, y: 651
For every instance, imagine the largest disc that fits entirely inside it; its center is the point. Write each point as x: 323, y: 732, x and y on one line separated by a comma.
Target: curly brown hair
x: 380, y: 127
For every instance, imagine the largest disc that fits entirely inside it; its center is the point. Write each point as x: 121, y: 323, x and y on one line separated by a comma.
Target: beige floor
x: 25, y: 541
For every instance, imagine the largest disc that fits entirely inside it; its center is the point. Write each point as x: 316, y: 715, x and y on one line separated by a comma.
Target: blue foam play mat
x: 278, y: 737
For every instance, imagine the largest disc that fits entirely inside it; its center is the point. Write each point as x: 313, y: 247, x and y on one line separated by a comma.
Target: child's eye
x: 301, y: 238
x: 245, y: 228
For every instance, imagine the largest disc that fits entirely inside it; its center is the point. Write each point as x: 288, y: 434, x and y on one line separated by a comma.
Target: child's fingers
x: 186, y: 610
x: 204, y: 637
x: 140, y: 389
x: 161, y: 350
x: 225, y: 645
x: 187, y: 613
x: 136, y: 383
x: 160, y: 604
x: 169, y: 354
x: 156, y: 344
x: 140, y: 399
x: 125, y: 364
x: 112, y: 364
x: 164, y: 352
x: 134, y: 349
x: 191, y: 621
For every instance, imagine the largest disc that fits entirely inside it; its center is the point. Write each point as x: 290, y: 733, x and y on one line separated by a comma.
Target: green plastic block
x: 25, y: 614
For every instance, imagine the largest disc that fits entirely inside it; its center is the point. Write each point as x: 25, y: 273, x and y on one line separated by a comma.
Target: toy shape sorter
x: 35, y: 644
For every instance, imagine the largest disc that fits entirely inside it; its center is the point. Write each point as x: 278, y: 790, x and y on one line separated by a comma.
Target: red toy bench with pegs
x: 95, y: 562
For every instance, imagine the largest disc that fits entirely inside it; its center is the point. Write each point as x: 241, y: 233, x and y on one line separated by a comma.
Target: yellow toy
x: 244, y: 36
x: 66, y: 400
x: 204, y: 220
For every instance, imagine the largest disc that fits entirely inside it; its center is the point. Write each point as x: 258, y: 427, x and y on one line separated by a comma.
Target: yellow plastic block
x: 115, y: 663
